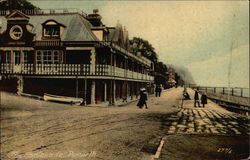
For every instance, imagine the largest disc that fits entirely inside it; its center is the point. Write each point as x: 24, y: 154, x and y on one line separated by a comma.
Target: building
x: 171, y: 77
x: 69, y: 54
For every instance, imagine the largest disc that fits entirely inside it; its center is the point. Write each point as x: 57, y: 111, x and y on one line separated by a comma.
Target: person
x: 186, y: 96
x: 156, y: 91
x: 159, y: 90
x: 196, y: 98
x: 203, y: 99
x: 143, y: 98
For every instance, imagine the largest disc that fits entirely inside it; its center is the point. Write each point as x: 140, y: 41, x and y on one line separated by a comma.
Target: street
x: 33, y: 129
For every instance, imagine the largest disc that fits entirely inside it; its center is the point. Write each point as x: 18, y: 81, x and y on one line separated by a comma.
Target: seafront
x: 38, y: 129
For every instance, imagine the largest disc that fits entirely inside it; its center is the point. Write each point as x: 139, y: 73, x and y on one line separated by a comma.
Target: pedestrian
x: 159, y: 90
x: 196, y: 98
x: 203, y: 99
x: 143, y: 98
x: 186, y: 95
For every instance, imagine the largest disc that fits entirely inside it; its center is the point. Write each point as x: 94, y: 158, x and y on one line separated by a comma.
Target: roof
x: 119, y: 35
x: 77, y: 27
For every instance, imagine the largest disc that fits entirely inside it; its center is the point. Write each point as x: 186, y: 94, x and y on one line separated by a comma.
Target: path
x: 204, y: 132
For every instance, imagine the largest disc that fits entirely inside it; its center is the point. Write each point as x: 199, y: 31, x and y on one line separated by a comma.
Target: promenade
x: 205, y: 133
x: 212, y: 119
x: 34, y: 129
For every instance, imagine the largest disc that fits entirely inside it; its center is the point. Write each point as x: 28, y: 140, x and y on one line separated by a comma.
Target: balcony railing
x: 4, y: 12
x: 51, y: 43
x: 71, y: 70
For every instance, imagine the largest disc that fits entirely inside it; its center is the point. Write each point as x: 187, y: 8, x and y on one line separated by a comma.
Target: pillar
x: 114, y: 91
x: 93, y: 92
x: 20, y: 85
x: 85, y: 92
x: 105, y: 91
x: 77, y: 86
x: 92, y: 61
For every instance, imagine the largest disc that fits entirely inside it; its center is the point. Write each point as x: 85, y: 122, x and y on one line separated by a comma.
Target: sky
x: 208, y: 38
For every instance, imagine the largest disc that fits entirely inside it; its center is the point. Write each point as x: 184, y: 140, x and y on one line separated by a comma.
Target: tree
x: 139, y: 45
x: 16, y: 4
x: 144, y: 47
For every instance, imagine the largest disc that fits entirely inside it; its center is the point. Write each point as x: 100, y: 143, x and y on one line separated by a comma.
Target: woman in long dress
x: 203, y: 99
x: 143, y: 98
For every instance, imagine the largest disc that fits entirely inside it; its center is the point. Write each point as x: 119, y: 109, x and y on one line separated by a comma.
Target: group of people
x: 196, y: 97
x: 203, y: 99
x: 144, y: 97
x: 158, y: 90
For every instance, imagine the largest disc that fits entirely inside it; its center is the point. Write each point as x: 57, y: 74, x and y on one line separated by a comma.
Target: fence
x: 241, y: 92
x: 72, y: 69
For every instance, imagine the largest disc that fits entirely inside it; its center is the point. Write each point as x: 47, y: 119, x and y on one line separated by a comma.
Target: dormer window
x: 52, y: 29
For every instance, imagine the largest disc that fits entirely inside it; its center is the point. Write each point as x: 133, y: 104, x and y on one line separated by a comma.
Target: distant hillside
x: 184, y: 73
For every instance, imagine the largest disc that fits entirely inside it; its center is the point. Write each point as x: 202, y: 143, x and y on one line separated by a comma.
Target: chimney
x: 95, y: 18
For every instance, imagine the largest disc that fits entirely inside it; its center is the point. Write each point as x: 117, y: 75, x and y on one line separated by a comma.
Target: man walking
x: 157, y: 91
x: 196, y: 98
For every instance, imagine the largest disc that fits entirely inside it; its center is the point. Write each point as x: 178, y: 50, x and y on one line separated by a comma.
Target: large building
x: 69, y: 54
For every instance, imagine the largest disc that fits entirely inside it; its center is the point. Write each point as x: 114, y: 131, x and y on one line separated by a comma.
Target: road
x: 33, y: 129
x: 37, y: 129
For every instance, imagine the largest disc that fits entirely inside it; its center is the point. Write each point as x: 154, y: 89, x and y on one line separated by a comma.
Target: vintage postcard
x: 124, y: 80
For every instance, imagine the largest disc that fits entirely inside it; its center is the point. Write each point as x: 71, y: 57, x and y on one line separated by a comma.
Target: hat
x: 143, y: 89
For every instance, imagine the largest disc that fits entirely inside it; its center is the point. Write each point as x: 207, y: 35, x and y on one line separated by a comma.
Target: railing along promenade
x: 235, y: 98
x: 232, y: 91
x: 72, y: 70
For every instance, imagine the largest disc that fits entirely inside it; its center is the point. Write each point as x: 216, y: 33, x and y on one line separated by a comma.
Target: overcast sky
x: 203, y: 36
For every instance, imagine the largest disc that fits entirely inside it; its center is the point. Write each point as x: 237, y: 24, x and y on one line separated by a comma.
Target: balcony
x: 72, y: 70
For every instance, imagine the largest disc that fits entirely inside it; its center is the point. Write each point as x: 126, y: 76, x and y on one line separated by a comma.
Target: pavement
x: 212, y: 133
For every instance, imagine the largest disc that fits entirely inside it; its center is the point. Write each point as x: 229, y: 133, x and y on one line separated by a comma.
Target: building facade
x: 69, y: 54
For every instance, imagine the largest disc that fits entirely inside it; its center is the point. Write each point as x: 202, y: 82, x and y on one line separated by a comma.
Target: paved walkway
x: 209, y: 120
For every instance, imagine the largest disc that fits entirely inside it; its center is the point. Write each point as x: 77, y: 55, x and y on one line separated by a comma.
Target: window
x: 47, y: 57
x: 52, y: 30
x: 16, y: 32
x: 56, y: 57
x: 25, y: 56
x: 39, y: 57
x: 8, y: 56
x: 17, y: 56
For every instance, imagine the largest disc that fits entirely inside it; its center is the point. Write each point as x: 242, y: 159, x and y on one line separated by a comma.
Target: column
x: 114, y: 91
x: 93, y: 92
x: 132, y: 89
x: 105, y: 91
x: 77, y: 87
x: 20, y: 85
x: 85, y: 92
x: 92, y: 61
x: 128, y: 93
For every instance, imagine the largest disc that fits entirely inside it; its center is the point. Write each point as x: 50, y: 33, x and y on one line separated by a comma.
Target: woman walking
x: 143, y: 98
x: 203, y: 99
